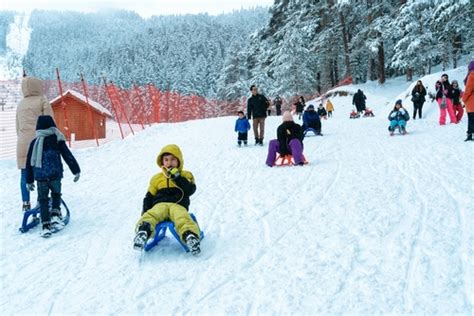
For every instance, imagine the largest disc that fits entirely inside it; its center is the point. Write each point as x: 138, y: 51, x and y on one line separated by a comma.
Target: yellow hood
x: 31, y: 86
x: 175, y: 151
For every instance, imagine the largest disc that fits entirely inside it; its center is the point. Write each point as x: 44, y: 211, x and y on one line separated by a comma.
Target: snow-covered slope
x: 374, y: 224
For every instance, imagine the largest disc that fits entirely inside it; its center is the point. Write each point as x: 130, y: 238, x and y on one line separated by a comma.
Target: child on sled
x: 168, y: 199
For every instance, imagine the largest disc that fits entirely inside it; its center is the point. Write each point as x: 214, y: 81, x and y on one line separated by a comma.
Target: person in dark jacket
x: 444, y: 97
x: 44, y: 165
x: 418, y: 97
x: 322, y: 111
x: 398, y: 117
x: 242, y: 126
x: 457, y: 95
x: 289, y: 141
x: 257, y: 106
x: 359, y: 101
x: 311, y: 120
x: 167, y: 198
x: 278, y: 102
x: 300, y: 105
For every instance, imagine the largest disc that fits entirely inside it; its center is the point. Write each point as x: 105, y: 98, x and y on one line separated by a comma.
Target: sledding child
x: 311, y: 120
x: 44, y: 165
x: 242, y: 126
x: 398, y: 117
x: 168, y: 199
x: 457, y: 95
x: 289, y: 141
x: 329, y: 108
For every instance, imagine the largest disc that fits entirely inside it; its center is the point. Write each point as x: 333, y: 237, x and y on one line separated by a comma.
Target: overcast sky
x: 145, y: 8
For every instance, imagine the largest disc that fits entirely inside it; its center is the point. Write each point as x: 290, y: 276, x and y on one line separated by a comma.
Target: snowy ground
x: 374, y: 224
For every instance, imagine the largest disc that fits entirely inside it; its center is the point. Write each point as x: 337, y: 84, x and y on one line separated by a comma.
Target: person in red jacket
x: 468, y: 99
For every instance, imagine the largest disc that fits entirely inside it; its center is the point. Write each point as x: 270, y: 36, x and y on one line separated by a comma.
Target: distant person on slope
x: 242, y: 126
x: 289, y: 141
x: 257, y: 106
x: 278, y: 102
x: 418, y: 97
x: 457, y: 106
x: 444, y: 97
x: 44, y: 165
x: 300, y: 105
x: 468, y: 99
x: 322, y: 111
x: 168, y: 199
x: 33, y: 104
x: 398, y: 117
x: 359, y: 101
x: 329, y: 108
x: 311, y: 120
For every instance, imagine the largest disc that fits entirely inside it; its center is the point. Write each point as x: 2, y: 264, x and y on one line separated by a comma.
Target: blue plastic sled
x: 160, y: 232
x: 25, y: 226
x: 310, y: 129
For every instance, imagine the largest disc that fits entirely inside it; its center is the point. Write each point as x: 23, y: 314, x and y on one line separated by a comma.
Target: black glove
x: 30, y: 186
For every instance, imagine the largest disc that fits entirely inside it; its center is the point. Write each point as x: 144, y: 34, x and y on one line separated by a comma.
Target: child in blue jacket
x: 398, y: 117
x: 44, y: 165
x: 242, y: 126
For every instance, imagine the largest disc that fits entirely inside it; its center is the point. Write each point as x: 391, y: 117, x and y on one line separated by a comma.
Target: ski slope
x: 374, y: 224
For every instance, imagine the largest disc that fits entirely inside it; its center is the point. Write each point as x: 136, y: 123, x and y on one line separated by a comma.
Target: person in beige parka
x: 33, y: 104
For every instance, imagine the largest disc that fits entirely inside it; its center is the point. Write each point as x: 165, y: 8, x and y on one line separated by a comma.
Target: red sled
x: 287, y: 160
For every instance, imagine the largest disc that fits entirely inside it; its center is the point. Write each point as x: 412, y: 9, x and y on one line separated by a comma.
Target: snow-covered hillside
x: 17, y: 41
x: 374, y: 224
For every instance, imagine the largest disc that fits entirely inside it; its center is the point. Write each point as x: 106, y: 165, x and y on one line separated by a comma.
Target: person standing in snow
x: 257, y: 106
x: 44, y: 165
x: 329, y: 108
x: 444, y: 97
x: 398, y: 117
x: 359, y: 101
x: 300, y: 105
x: 418, y: 97
x: 457, y: 106
x: 33, y: 104
x: 311, y: 120
x: 322, y: 111
x: 277, y: 102
x: 167, y: 198
x: 289, y: 141
x: 468, y: 99
x: 242, y: 126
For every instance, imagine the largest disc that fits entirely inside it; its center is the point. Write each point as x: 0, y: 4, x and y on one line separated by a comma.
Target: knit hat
x: 44, y: 122
x: 399, y: 101
x: 470, y: 67
x: 455, y: 82
x: 310, y: 107
x: 287, y: 117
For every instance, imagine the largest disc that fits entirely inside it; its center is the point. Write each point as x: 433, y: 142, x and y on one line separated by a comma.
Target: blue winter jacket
x: 399, y: 115
x: 310, y: 117
x: 242, y: 125
x: 52, y: 167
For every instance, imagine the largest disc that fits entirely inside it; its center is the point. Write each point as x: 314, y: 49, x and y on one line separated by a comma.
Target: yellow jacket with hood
x: 162, y: 188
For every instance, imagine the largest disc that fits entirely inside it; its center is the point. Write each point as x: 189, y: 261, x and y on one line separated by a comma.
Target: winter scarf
x: 41, y: 134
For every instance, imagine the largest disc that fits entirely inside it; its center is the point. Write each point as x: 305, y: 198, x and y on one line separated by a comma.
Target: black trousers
x: 417, y: 107
x: 242, y: 137
x: 43, y: 192
x: 470, y: 123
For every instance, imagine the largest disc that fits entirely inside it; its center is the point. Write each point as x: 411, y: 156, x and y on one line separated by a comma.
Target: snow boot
x: 46, y: 231
x: 192, y: 241
x: 56, y: 220
x: 469, y: 137
x: 144, y: 231
x: 403, y: 131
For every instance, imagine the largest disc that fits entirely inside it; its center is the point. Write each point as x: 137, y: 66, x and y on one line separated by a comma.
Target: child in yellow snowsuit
x: 168, y: 199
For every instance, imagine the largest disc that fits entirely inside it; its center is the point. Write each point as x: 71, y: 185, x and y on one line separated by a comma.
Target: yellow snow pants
x: 170, y: 211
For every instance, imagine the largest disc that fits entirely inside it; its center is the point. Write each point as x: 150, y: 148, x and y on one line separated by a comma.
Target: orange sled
x: 287, y: 160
